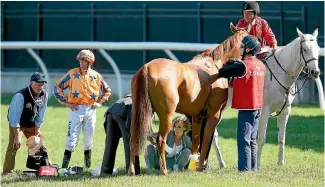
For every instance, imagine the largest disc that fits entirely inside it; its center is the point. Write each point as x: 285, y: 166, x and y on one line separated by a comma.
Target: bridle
x: 306, y: 70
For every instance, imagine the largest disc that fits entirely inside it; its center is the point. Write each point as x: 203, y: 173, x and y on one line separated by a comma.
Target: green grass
x: 304, y: 155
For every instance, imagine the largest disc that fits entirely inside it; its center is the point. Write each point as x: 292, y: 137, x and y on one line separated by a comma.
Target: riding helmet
x: 86, y: 55
x: 251, y: 42
x: 251, y: 6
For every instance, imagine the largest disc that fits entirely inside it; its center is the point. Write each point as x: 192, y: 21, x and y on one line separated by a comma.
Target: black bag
x: 40, y: 159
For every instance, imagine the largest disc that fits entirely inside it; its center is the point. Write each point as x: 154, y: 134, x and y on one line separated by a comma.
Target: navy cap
x: 38, y: 77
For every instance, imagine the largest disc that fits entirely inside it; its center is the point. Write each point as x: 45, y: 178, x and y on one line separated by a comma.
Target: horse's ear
x: 315, y: 33
x: 233, y: 28
x: 300, y: 33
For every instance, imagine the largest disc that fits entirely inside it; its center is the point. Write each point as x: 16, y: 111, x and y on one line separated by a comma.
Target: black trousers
x: 116, y: 128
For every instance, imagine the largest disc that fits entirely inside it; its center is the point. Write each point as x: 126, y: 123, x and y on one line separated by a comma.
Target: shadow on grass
x: 20, y: 177
x: 6, y: 99
x: 302, y: 132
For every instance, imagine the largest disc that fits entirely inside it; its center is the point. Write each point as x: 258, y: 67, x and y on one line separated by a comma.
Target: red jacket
x: 261, y: 30
x: 248, y: 90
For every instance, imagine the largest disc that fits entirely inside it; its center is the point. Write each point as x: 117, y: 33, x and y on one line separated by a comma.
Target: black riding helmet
x: 252, y: 6
x: 251, y: 42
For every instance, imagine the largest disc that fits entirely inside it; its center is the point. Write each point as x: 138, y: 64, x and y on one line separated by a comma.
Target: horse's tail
x: 141, y: 111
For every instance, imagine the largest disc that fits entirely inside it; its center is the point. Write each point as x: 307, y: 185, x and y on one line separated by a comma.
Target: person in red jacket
x: 256, y: 26
x: 247, y: 97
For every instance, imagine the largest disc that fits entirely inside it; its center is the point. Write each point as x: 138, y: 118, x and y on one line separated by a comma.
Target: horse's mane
x: 291, y: 49
x: 223, y: 48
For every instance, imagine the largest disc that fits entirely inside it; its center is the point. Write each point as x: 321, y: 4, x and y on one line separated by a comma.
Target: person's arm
x: 62, y: 84
x: 171, y: 141
x: 237, y: 69
x: 39, y: 119
x: 106, y: 89
x: 14, y: 114
x: 15, y: 110
x: 188, y: 141
x: 128, y: 117
x: 268, y: 35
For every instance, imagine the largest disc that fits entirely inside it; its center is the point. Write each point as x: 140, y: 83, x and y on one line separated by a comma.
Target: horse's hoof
x: 131, y: 173
x: 164, y: 172
x: 222, y: 166
x: 199, y: 169
x: 280, y: 163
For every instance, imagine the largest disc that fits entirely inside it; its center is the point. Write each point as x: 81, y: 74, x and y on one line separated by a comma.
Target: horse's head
x: 230, y: 48
x: 309, y: 53
x: 239, y: 34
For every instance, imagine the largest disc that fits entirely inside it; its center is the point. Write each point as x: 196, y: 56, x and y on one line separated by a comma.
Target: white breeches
x: 85, y: 118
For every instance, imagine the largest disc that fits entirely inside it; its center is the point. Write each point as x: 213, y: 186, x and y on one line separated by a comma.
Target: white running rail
x: 167, y: 47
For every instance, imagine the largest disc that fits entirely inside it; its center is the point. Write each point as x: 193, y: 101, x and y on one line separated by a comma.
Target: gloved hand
x: 233, y: 68
x: 73, y: 107
x: 95, y: 105
x: 232, y: 61
x: 274, y: 48
x: 152, y: 138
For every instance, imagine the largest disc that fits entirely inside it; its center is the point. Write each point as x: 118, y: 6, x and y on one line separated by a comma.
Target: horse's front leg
x: 282, y: 124
x: 164, y: 128
x: 215, y: 144
x: 215, y: 138
x: 196, y: 135
x: 208, y: 131
x: 261, y: 134
x: 196, y: 132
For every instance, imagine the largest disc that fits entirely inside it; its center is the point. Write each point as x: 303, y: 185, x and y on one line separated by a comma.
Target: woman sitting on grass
x: 178, y: 147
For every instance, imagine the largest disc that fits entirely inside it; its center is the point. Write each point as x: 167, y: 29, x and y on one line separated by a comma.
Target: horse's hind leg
x: 131, y: 167
x: 164, y: 98
x: 261, y: 134
x: 215, y: 144
x: 215, y: 139
x: 282, y: 123
x: 164, y: 128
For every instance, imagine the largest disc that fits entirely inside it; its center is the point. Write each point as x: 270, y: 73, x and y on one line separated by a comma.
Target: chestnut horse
x: 166, y: 86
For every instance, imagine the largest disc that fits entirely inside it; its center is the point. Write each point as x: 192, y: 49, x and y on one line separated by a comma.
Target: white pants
x: 85, y: 118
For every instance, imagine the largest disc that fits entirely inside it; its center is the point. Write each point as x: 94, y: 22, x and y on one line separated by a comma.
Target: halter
x: 306, y: 76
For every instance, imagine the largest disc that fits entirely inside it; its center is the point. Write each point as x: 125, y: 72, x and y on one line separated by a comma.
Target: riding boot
x: 66, y: 159
x: 87, y: 155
